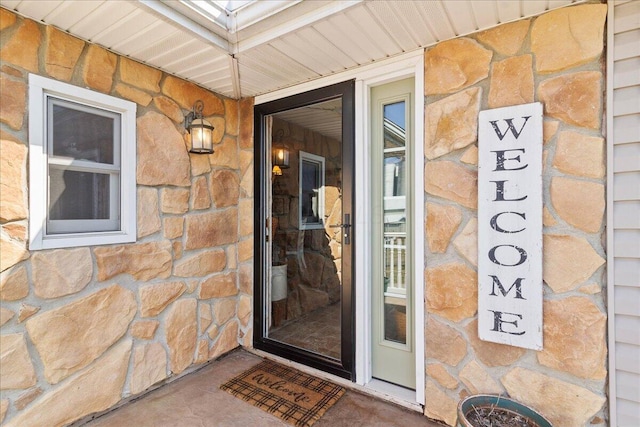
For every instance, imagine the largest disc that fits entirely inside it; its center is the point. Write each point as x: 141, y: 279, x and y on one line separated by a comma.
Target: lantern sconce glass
x: 201, y: 131
x: 280, y: 154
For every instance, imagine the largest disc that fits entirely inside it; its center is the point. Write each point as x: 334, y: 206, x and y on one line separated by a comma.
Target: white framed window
x: 311, y: 191
x: 82, y: 166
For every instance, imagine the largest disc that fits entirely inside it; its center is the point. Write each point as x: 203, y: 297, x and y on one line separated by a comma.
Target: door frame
x: 262, y: 161
x: 381, y: 347
x: 404, y: 66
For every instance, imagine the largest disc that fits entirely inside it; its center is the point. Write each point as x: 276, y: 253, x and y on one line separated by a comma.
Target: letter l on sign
x: 510, y: 225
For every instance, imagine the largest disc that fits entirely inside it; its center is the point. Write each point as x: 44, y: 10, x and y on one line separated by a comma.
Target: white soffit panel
x: 328, y: 50
x: 374, y: 30
x: 436, y: 17
x: 294, y: 46
x: 509, y: 10
x: 209, y: 69
x: 531, y: 8
x: 270, y: 61
x: 485, y: 13
x: 199, y: 62
x: 94, y: 25
x: 355, y: 38
x: 69, y: 13
x: 33, y: 9
x: 333, y: 30
x: 387, y: 20
x: 124, y: 31
x: 464, y: 17
x: 177, y: 52
x: 304, y: 14
x: 247, y: 48
x: 270, y: 65
x: 158, y: 33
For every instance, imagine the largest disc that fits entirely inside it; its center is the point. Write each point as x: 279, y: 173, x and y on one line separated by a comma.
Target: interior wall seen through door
x: 305, y: 247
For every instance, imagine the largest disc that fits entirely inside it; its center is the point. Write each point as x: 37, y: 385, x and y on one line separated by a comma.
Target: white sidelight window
x: 82, y: 160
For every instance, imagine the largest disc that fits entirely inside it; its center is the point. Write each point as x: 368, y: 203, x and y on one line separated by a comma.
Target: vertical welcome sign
x: 510, y: 226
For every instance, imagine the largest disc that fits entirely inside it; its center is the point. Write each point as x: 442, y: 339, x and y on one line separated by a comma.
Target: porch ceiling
x: 247, y: 48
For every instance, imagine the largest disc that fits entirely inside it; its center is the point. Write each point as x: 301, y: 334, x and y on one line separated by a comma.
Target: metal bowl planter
x: 468, y: 405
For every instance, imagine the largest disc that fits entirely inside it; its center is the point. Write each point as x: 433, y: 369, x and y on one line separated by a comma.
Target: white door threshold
x: 393, y: 393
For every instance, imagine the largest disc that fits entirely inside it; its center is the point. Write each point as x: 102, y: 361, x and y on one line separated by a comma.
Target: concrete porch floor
x: 196, y: 400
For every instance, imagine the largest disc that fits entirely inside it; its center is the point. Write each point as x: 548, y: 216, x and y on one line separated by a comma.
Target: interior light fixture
x: 281, y: 157
x: 280, y: 154
x: 201, y: 131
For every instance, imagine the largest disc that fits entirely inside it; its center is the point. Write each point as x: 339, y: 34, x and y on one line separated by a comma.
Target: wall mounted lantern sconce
x: 280, y: 154
x: 201, y: 130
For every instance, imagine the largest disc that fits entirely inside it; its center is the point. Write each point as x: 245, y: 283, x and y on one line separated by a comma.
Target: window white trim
x: 320, y: 162
x: 410, y: 65
x: 40, y: 88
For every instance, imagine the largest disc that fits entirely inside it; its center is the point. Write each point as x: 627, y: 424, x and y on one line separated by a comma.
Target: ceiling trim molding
x: 235, y: 76
x: 257, y: 11
x: 294, y: 24
x: 189, y: 6
x: 172, y: 16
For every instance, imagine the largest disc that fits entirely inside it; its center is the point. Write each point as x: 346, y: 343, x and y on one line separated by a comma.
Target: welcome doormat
x: 295, y: 397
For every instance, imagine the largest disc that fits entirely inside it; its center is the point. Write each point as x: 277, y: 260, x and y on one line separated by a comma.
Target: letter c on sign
x: 495, y: 226
x: 522, y: 252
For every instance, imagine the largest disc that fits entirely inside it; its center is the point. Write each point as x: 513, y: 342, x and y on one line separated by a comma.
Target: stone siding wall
x: 557, y: 59
x: 83, y: 328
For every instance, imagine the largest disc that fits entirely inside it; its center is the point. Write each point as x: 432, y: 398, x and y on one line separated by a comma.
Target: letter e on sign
x: 510, y: 225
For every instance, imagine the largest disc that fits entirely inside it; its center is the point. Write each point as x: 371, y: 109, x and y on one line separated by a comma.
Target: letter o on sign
x: 520, y: 253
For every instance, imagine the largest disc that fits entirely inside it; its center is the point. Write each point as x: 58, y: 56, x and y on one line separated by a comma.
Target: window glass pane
x: 394, y: 168
x: 307, y: 279
x: 394, y: 186
x: 395, y: 174
x: 82, y: 133
x: 394, y: 125
x: 310, y: 192
x: 78, y: 195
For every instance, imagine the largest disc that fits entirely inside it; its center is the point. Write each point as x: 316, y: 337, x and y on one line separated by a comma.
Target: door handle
x: 346, y: 225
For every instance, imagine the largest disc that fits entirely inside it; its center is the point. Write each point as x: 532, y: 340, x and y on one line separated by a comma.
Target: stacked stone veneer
x: 557, y: 59
x: 313, y: 256
x: 83, y: 328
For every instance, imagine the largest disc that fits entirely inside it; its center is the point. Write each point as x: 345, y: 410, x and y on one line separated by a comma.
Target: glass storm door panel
x: 393, y: 350
x: 306, y: 291
x: 306, y: 242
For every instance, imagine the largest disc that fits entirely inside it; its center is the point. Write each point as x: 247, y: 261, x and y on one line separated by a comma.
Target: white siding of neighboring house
x: 623, y: 223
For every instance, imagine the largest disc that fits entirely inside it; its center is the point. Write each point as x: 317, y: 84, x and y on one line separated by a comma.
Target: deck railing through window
x: 395, y: 250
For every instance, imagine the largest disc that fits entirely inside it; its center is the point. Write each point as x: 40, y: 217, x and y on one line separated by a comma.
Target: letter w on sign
x: 510, y: 126
x: 510, y: 225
